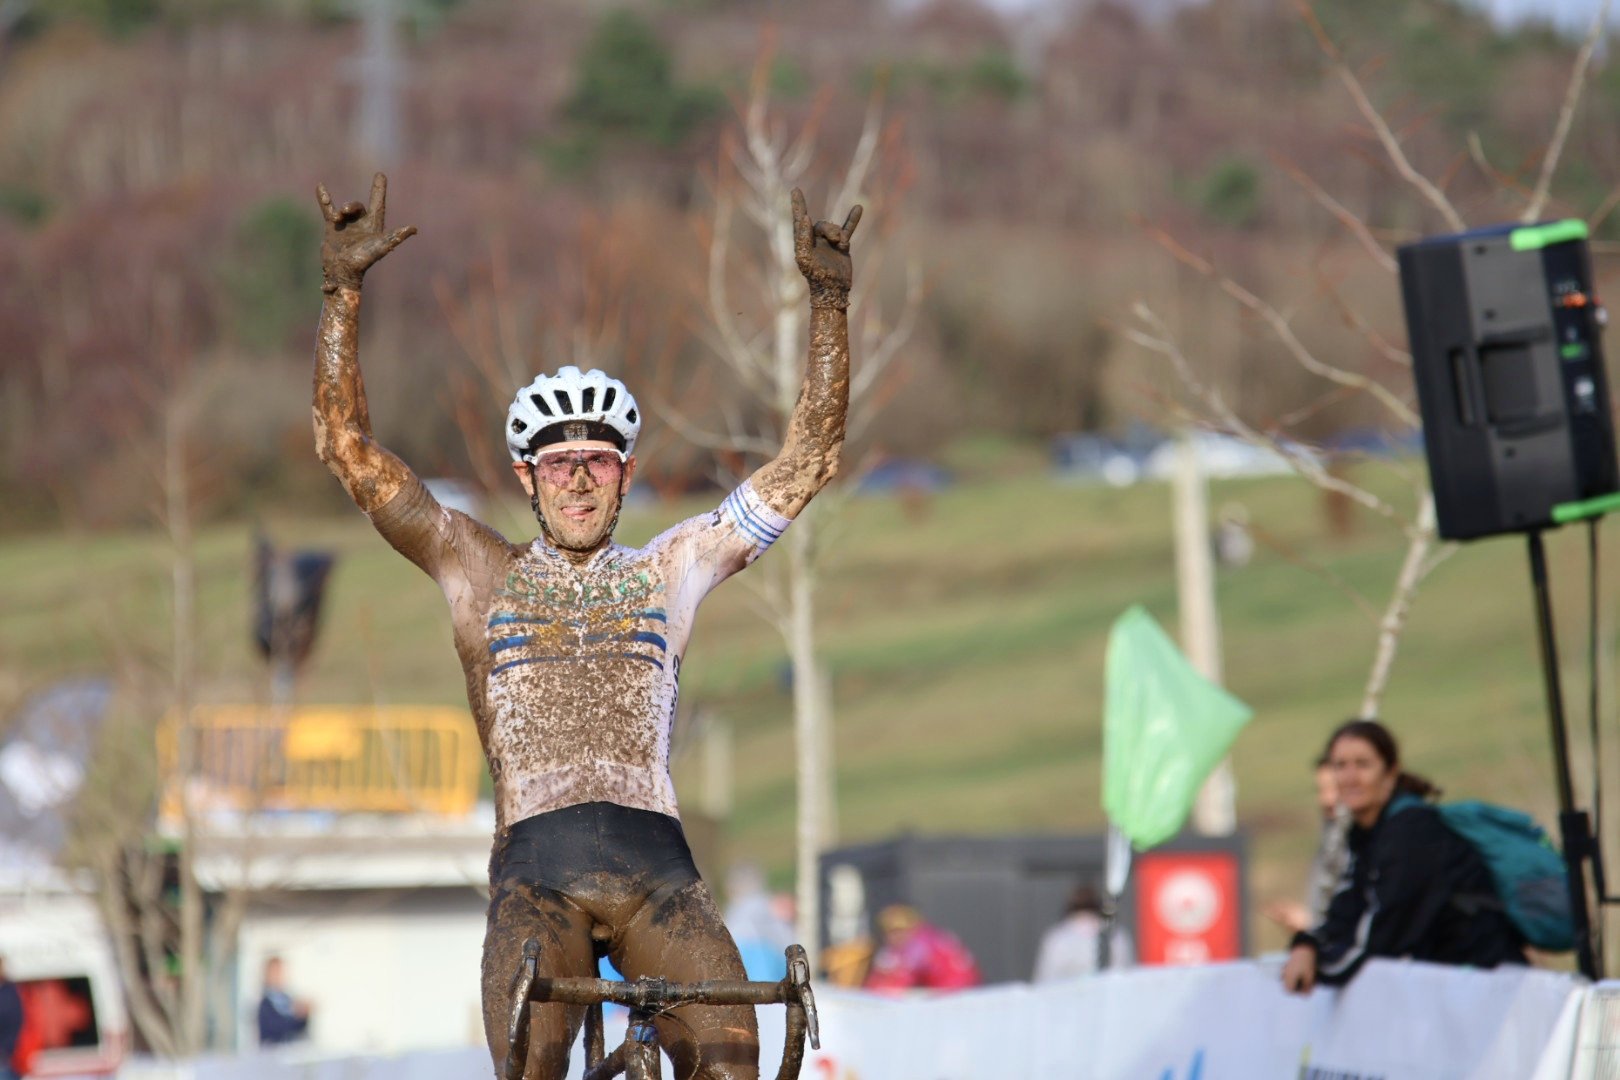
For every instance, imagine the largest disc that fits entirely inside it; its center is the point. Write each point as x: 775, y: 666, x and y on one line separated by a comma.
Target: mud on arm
x: 815, y: 435
x: 370, y: 473
x: 355, y: 238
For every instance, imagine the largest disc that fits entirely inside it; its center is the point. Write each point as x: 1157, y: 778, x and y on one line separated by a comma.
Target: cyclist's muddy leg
x: 517, y: 913
x: 681, y: 936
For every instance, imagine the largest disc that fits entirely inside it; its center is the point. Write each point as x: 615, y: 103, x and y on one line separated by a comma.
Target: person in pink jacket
x: 917, y: 955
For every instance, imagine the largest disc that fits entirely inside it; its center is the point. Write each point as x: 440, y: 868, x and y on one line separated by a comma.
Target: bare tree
x: 509, y: 324
x: 172, y: 940
x: 757, y: 330
x: 1416, y: 518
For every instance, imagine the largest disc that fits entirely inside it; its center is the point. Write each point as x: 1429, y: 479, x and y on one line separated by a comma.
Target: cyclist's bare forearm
x: 369, y: 473
x: 815, y: 436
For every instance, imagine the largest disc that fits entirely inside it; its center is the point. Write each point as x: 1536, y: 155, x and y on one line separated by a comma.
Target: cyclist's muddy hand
x: 822, y: 251
x: 356, y: 236
x: 1299, y: 973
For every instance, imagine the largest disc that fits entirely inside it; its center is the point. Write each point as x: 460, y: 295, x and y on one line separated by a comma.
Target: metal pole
x: 1215, y: 809
x: 381, y: 75
x: 1573, y: 825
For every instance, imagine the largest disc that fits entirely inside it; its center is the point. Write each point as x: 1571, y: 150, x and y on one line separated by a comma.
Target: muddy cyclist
x: 572, y: 647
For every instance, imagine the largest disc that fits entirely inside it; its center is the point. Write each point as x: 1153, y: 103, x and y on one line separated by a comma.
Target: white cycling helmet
x: 569, y: 406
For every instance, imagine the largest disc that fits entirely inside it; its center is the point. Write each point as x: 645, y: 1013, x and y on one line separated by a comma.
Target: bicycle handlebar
x: 655, y: 994
x: 652, y: 995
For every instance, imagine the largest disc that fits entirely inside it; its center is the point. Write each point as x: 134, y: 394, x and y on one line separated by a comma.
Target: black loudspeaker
x: 1508, y: 360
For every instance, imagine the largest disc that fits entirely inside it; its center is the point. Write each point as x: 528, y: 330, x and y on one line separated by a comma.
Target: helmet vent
x: 587, y: 399
x: 540, y: 403
x: 608, y: 397
x: 518, y: 426
x: 565, y: 403
x: 631, y: 416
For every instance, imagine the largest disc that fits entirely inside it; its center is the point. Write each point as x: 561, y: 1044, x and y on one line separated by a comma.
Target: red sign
x: 1187, y: 907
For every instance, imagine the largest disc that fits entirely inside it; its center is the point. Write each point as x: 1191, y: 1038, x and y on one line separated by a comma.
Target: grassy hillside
x: 965, y: 638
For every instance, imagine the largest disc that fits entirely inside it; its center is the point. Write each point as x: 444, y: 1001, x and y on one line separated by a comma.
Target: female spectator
x: 917, y: 955
x: 1413, y: 887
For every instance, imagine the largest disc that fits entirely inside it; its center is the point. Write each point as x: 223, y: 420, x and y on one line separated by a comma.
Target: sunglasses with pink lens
x: 558, y: 466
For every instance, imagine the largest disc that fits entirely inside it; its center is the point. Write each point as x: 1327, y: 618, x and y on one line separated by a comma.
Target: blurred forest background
x: 567, y: 163
x: 158, y: 236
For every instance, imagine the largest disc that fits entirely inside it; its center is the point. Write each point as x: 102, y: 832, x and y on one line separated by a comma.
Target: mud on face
x: 578, y: 517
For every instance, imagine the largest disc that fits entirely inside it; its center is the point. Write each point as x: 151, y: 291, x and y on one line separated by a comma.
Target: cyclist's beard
x: 568, y: 537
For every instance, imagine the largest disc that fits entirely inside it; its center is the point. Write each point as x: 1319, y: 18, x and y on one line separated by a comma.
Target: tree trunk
x: 809, y: 741
x: 144, y: 1009
x: 1215, y: 811
x: 809, y: 704
x: 1400, y: 605
x: 192, y: 998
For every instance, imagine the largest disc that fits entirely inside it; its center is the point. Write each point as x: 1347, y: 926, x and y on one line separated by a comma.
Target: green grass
x: 965, y: 643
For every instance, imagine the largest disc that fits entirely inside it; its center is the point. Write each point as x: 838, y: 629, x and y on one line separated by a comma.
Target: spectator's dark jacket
x: 11, y: 1020
x: 1413, y: 889
x: 278, y: 1021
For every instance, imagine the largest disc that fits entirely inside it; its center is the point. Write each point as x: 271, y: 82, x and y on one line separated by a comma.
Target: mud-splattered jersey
x: 572, y: 671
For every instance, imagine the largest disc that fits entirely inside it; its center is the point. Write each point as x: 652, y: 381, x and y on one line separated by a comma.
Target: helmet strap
x: 534, y: 501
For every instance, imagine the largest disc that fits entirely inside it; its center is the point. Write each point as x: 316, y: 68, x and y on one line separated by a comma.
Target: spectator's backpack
x: 1528, y: 871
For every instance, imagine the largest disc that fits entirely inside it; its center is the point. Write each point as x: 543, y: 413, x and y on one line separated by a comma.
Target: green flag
x: 1165, y: 728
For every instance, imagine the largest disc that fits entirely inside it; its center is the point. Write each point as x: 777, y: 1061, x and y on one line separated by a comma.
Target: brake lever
x: 799, y: 977
x: 517, y: 1025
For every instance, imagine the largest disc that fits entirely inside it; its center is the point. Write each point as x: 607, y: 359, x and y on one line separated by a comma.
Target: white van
x: 56, y: 951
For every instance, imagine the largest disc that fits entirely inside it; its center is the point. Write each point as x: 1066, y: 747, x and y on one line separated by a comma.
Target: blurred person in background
x: 848, y: 954
x: 845, y: 963
x: 1074, y: 945
x: 571, y: 646
x: 1414, y: 888
x: 11, y: 1026
x: 282, y: 1018
x: 761, y: 934
x: 917, y: 955
x: 1233, y: 542
x: 1328, y: 865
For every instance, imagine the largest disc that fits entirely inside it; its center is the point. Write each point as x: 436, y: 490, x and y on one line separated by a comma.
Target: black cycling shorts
x: 602, y: 878
x: 581, y: 850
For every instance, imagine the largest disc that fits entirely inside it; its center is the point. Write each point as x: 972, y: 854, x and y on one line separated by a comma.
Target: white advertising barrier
x: 1588, y: 1038
x: 1396, y: 1021
x: 1400, y: 1020
x: 420, y: 1065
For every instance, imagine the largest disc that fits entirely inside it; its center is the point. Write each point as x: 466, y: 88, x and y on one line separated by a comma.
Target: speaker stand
x: 1574, y: 826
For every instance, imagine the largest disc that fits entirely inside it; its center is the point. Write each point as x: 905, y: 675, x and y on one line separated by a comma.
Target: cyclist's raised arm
x: 355, y: 238
x: 809, y: 457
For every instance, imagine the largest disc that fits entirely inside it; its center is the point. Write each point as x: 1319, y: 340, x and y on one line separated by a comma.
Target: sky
x: 1574, y: 14
x: 1571, y: 13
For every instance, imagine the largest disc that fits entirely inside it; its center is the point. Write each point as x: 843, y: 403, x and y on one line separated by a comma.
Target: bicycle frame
x: 637, y: 1057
